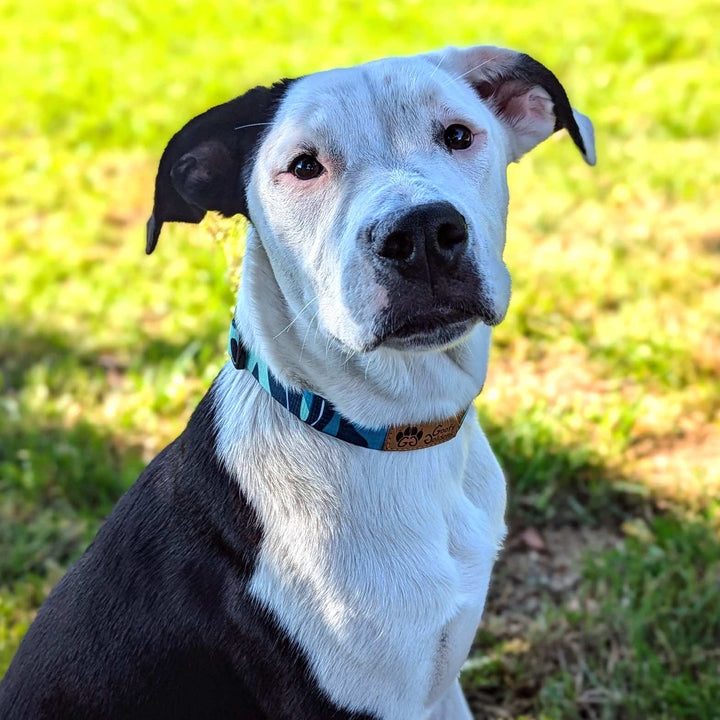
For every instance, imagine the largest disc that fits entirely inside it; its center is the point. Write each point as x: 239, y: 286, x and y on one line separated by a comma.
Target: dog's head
x: 378, y: 191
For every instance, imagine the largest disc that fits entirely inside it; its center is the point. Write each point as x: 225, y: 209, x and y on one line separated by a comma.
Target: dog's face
x: 377, y: 191
x: 384, y: 186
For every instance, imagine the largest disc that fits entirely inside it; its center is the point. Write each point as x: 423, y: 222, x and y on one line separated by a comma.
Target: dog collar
x: 320, y: 414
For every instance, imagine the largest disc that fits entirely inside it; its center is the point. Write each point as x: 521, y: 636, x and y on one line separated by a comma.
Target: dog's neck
x: 379, y: 388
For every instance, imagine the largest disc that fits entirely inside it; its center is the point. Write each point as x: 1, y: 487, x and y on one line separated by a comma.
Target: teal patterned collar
x: 320, y: 414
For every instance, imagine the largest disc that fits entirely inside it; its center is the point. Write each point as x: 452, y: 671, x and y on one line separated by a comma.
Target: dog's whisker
x: 471, y: 70
x: 350, y: 356
x: 439, y: 63
x: 367, y: 365
x: 249, y: 125
x: 294, y: 320
x: 312, y: 320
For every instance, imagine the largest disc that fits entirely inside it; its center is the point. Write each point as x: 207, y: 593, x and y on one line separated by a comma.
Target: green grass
x: 603, y: 400
x: 655, y: 632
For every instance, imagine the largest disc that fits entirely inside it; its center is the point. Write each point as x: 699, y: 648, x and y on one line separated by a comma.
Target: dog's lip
x: 442, y: 320
x: 424, y: 323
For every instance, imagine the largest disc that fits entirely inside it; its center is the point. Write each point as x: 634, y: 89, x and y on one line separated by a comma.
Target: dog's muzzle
x: 421, y: 258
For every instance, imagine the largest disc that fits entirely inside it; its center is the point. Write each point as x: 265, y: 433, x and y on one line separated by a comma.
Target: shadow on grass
x: 58, y: 480
x: 557, y: 484
x: 22, y: 350
x: 56, y: 486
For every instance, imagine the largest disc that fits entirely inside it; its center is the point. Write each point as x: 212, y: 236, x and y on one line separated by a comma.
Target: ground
x: 603, y: 397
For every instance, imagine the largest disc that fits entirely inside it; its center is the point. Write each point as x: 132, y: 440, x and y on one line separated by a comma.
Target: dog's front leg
x: 451, y: 706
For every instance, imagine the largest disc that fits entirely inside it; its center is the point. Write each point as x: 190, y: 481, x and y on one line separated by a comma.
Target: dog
x: 318, y: 542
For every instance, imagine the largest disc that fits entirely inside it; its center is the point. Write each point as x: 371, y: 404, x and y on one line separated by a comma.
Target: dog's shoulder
x: 142, y: 608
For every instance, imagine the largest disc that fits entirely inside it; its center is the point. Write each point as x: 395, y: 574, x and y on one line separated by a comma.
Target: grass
x: 604, y: 392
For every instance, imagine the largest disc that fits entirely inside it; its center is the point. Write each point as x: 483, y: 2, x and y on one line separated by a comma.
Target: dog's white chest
x: 385, y: 606
x: 377, y: 570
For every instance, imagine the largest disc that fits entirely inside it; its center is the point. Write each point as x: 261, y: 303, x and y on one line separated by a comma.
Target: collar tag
x: 415, y: 437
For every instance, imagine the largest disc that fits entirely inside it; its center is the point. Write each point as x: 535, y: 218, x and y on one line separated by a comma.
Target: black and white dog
x: 283, y: 558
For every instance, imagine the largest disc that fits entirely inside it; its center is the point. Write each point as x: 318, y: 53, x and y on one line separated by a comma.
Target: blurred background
x: 603, y: 394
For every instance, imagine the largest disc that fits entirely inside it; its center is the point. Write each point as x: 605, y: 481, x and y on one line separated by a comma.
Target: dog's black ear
x: 523, y: 93
x: 205, y: 165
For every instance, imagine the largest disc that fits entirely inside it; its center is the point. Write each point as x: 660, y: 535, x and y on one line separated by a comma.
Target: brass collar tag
x: 415, y: 437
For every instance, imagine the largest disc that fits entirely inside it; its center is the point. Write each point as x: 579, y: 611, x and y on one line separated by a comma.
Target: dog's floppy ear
x: 524, y: 94
x: 205, y: 165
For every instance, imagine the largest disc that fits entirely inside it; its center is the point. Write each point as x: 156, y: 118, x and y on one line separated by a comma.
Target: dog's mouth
x: 427, y: 330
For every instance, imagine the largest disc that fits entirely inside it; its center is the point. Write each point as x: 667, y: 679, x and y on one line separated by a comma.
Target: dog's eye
x: 305, y: 167
x: 457, y: 137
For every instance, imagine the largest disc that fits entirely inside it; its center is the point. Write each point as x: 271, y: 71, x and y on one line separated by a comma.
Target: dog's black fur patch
x: 204, y: 166
x: 154, y: 621
x: 525, y: 73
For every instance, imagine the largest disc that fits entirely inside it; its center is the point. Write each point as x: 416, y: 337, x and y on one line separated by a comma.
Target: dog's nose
x: 427, y: 238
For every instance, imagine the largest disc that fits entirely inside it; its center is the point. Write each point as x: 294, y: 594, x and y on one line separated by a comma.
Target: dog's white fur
x: 376, y: 563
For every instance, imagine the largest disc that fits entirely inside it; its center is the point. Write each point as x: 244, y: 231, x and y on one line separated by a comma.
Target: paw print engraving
x: 409, y: 437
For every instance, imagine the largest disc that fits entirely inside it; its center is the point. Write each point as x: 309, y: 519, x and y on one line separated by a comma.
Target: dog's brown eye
x: 305, y: 167
x: 457, y: 137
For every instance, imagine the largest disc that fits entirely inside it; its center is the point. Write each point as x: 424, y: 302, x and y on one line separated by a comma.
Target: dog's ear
x: 206, y: 164
x: 524, y: 94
